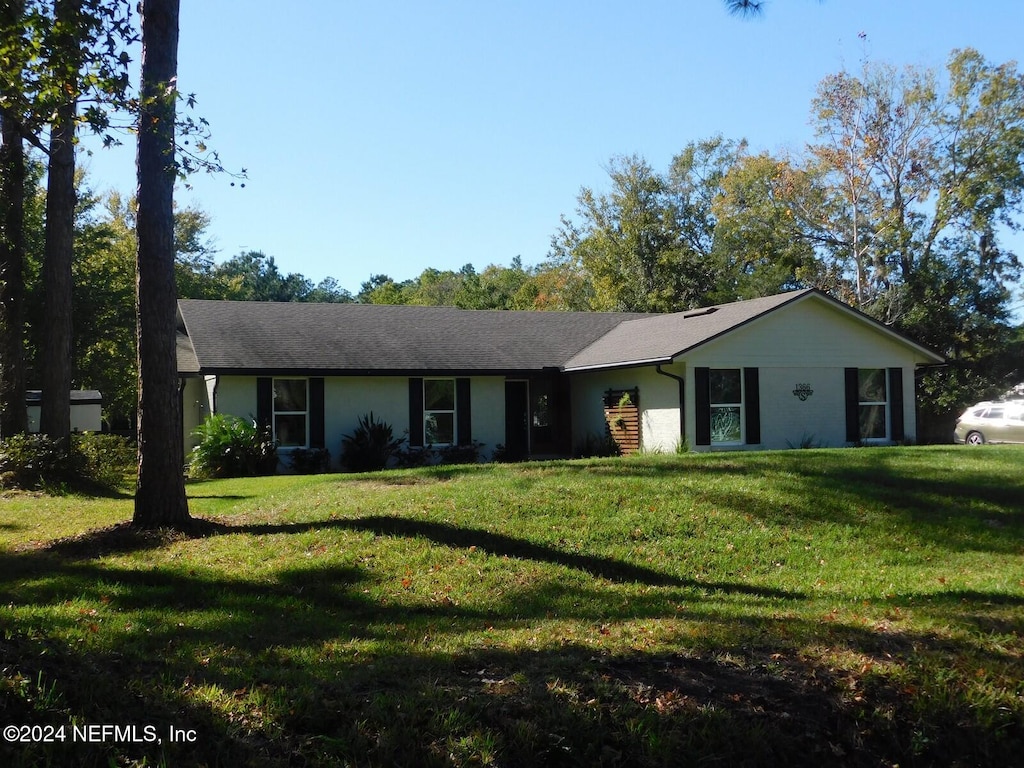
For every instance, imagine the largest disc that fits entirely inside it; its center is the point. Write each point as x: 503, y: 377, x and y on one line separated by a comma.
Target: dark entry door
x: 517, y: 420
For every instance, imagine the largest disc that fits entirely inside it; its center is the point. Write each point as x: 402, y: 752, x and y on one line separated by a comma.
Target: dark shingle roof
x: 235, y: 336
x: 245, y: 337
x: 76, y: 396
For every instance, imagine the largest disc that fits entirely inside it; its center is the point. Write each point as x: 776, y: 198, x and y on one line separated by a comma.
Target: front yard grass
x: 845, y: 607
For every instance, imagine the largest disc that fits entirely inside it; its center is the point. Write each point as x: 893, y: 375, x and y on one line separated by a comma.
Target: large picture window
x: 291, y: 413
x: 725, y: 390
x: 439, y: 411
x: 872, y: 403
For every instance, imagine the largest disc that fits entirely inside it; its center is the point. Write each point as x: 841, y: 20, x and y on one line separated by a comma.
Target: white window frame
x: 714, y: 406
x: 885, y: 404
x: 275, y: 412
x: 430, y: 412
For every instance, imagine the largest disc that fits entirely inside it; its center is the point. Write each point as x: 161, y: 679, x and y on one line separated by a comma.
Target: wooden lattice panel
x: 622, y: 415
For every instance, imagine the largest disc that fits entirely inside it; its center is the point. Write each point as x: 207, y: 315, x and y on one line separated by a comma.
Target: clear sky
x: 393, y: 135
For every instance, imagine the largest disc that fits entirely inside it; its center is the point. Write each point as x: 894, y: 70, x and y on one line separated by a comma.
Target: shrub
x: 232, y: 447
x: 599, y: 446
x: 105, y: 461
x: 32, y: 461
x: 96, y: 461
x: 461, y: 454
x: 410, y: 457
x: 309, y: 461
x: 371, y: 445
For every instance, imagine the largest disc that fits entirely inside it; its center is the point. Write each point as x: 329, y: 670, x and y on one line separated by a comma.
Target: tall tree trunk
x: 59, y: 246
x: 160, y: 493
x: 55, y: 414
x: 13, y: 416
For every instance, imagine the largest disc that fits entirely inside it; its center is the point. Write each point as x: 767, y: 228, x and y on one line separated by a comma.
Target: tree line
x: 900, y: 207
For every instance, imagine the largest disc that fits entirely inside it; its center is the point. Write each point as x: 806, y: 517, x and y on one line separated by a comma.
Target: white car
x: 991, y: 422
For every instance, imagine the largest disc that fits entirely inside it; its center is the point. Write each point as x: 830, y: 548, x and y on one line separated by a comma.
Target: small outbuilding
x: 86, y: 410
x: 782, y: 371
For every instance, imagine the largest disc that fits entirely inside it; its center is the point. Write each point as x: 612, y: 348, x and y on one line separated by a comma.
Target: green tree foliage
x: 760, y: 244
x: 919, y: 185
x: 104, y: 305
x: 496, y: 287
x: 254, y: 276
x: 62, y: 64
x: 629, y: 244
x: 648, y: 244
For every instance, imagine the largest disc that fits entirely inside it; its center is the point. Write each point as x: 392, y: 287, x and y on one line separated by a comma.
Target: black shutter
x: 317, y: 436
x: 463, y: 420
x: 702, y: 403
x: 416, y: 413
x: 852, y: 406
x: 752, y: 404
x: 264, y: 400
x: 682, y: 410
x: 896, y: 404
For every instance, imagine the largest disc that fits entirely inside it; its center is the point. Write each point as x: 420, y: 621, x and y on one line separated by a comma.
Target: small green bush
x: 410, y: 457
x: 371, y: 446
x: 599, y: 446
x: 232, y: 447
x: 95, y: 462
x: 309, y: 461
x: 32, y: 461
x: 105, y: 461
x: 462, y: 454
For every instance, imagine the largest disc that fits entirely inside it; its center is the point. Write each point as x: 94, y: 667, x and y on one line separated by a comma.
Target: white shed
x: 86, y: 410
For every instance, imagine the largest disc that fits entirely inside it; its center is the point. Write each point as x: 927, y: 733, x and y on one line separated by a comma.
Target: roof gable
x: 662, y: 338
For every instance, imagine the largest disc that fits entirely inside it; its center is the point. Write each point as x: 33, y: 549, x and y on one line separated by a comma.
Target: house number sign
x: 803, y: 391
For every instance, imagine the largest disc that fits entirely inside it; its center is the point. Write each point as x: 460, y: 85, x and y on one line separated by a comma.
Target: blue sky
x: 391, y: 136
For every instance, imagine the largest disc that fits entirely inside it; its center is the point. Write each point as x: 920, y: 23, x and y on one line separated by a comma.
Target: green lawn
x: 840, y: 607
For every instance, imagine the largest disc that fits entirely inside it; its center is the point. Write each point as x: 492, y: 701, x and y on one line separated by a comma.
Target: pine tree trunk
x: 160, y: 493
x: 13, y: 415
x: 55, y: 414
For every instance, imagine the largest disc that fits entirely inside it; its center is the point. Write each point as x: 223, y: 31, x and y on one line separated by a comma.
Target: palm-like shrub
x: 371, y: 445
x: 232, y: 447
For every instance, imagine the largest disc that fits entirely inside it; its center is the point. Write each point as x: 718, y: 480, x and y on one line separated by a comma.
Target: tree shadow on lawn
x: 269, y: 647
x: 124, y: 538
x: 984, y: 516
x: 277, y: 648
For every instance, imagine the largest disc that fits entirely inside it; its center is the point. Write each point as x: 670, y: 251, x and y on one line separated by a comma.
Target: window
x: 872, y: 403
x: 439, y: 411
x: 725, y: 390
x: 291, y: 411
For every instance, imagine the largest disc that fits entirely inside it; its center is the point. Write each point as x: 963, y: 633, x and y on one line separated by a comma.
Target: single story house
x: 773, y: 372
x: 86, y: 409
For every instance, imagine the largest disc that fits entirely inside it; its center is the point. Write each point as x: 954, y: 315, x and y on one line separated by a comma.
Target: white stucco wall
x: 195, y: 407
x: 659, y: 402
x: 488, y: 411
x: 808, y: 343
x: 236, y: 395
x: 807, y: 333
x: 347, y: 399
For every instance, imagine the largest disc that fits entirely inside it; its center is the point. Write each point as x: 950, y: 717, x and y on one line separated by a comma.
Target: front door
x: 517, y: 420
